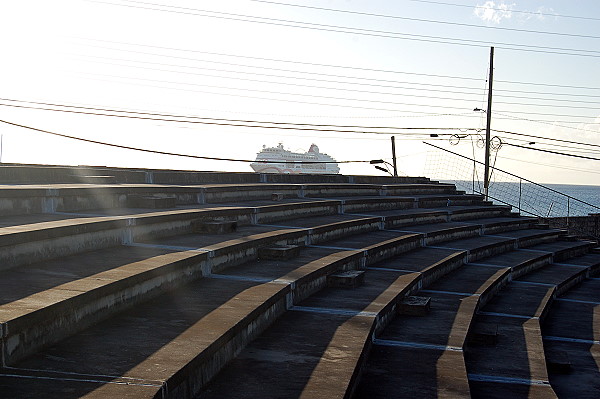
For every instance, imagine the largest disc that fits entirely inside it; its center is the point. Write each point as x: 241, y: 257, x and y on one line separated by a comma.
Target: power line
x: 277, y: 125
x: 164, y: 152
x: 552, y: 166
x: 500, y: 9
x: 308, y: 78
x: 334, y: 66
x: 370, y: 32
x: 416, y: 114
x: 550, y: 114
x: 547, y: 122
x: 545, y: 138
x: 340, y: 82
x: 548, y: 99
x: 306, y: 85
x: 553, y: 152
x: 284, y: 93
x: 416, y: 19
x: 553, y: 146
x: 285, y: 61
x: 277, y: 60
x: 220, y: 121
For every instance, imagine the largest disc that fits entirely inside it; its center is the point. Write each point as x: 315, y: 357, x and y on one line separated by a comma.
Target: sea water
x: 548, y: 200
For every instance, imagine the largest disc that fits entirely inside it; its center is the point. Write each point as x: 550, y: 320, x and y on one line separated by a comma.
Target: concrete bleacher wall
x: 29, y: 174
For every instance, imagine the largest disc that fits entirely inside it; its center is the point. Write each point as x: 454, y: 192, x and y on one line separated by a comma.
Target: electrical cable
x: 544, y: 138
x: 165, y: 152
x: 548, y: 122
x: 339, y: 88
x: 370, y: 32
x: 553, y: 152
x: 145, y: 112
x: 279, y: 92
x: 416, y: 19
x: 284, y: 61
x: 203, y: 122
x: 306, y: 85
x: 333, y: 66
x: 500, y: 9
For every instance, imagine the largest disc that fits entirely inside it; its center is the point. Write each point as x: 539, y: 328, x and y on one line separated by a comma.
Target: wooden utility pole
x: 486, y: 176
x: 394, y: 156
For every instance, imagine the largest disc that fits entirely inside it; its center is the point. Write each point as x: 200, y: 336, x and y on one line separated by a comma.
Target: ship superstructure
x: 279, y: 160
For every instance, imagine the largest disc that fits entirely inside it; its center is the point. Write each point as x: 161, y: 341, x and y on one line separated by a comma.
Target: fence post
x: 520, y: 189
x: 568, y: 211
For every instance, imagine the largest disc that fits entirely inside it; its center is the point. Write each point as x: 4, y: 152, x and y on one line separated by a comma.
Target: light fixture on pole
x: 381, y: 161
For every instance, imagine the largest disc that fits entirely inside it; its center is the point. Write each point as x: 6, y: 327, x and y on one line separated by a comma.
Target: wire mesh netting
x: 526, y: 197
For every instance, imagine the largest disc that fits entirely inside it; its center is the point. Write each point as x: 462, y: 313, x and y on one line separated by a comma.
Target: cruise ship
x: 279, y: 160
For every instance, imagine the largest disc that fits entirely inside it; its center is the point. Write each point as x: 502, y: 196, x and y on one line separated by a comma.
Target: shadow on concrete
x: 118, y: 346
x: 24, y: 281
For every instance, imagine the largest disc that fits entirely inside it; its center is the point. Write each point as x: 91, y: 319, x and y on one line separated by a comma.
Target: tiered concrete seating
x: 127, y: 289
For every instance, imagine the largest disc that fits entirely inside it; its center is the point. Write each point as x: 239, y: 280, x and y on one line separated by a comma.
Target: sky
x: 221, y: 79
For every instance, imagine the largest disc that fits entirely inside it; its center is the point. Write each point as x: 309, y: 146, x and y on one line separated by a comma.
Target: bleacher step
x: 150, y: 202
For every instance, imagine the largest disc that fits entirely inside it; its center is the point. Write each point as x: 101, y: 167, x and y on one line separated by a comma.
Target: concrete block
x: 277, y: 197
x: 214, y: 227
x: 279, y: 252
x: 150, y: 201
x: 414, y: 306
x: 558, y: 362
x: 541, y: 226
x: 596, y: 250
x: 347, y: 279
x: 483, y: 335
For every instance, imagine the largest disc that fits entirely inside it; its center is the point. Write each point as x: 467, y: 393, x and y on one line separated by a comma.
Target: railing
x: 524, y: 195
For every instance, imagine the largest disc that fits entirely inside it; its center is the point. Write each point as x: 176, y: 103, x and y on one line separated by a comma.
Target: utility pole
x: 486, y: 176
x: 394, y: 156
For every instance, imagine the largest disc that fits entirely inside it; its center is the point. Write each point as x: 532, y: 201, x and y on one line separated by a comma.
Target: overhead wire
x: 337, y: 82
x: 164, y: 152
x: 368, y: 32
x: 326, y: 65
x: 550, y: 122
x: 102, y: 111
x: 163, y: 117
x: 553, y: 152
x: 500, y: 9
x: 288, y: 94
x: 303, y: 85
x: 416, y: 19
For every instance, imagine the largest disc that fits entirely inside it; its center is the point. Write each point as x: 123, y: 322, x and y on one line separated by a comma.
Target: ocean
x: 549, y: 200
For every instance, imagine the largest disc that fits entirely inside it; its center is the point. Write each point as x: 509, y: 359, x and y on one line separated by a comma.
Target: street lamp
x: 381, y: 161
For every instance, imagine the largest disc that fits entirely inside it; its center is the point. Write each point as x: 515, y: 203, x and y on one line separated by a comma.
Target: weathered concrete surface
x: 573, y: 327
x: 179, y: 340
x: 391, y: 372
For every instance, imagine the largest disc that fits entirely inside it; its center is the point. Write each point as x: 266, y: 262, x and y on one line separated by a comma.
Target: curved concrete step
x: 184, y: 354
x: 108, y: 290
x: 570, y: 334
x: 31, y: 238
x: 437, y: 342
x: 518, y: 360
x: 26, y: 199
x: 331, y: 366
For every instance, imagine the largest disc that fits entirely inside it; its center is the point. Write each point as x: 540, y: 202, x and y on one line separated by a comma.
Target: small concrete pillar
x: 414, y: 306
x: 347, y: 279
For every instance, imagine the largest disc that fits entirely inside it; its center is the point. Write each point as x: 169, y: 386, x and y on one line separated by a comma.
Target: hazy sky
x: 381, y: 65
